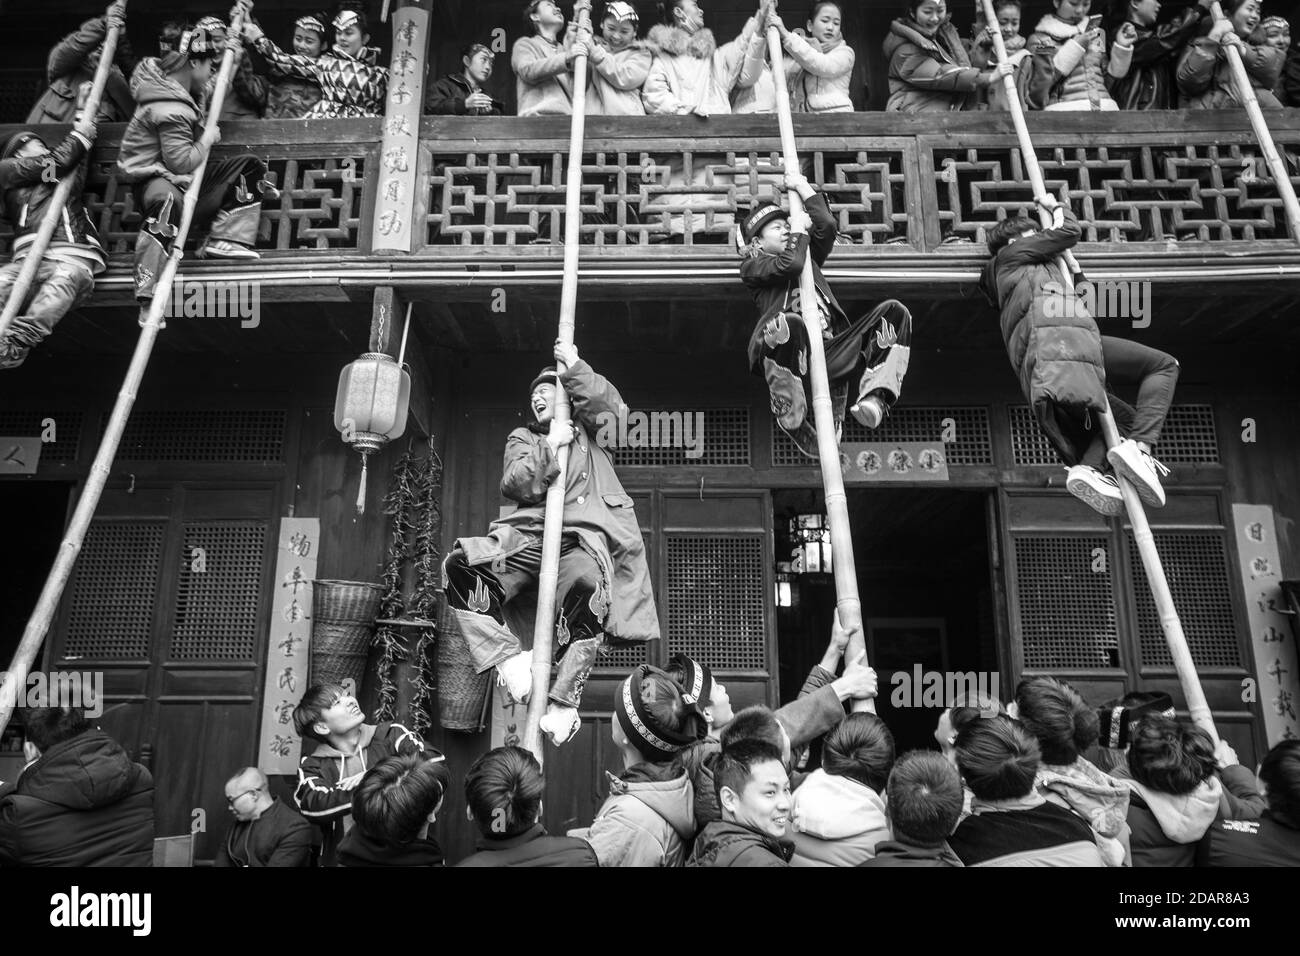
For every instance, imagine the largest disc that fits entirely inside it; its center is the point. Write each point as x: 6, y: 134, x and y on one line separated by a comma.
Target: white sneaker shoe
x: 1141, y: 469
x: 560, y: 723
x: 225, y: 249
x: 869, y: 412
x: 1099, y: 492
x: 515, y: 674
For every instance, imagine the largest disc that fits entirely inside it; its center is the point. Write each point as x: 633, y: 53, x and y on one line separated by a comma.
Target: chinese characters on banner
x: 399, y: 151
x: 1270, y: 626
x: 289, y: 643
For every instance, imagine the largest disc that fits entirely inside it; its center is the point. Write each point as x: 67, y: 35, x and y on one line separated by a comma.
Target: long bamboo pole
x: 1169, y: 622
x: 847, y: 604
x: 62, y: 192
x: 75, y: 536
x: 549, y: 575
x: 1246, y: 94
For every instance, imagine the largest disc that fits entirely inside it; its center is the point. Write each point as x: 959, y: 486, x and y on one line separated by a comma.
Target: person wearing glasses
x: 265, y: 832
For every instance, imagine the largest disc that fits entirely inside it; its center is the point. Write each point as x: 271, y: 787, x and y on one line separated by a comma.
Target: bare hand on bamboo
x: 858, y: 680
x: 115, y: 15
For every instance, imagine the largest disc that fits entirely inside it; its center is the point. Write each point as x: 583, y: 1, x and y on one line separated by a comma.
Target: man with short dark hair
x: 754, y: 797
x: 265, y: 831
x: 924, y: 803
x: 393, y: 807
x: 1273, y: 839
x: 1011, y: 824
x: 80, y: 801
x: 462, y: 93
x: 503, y: 798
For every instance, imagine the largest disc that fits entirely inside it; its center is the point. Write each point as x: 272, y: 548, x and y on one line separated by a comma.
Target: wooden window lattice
x: 1196, y: 566
x: 110, y: 610
x: 217, y: 593
x: 716, y: 602
x: 205, y: 434
x: 1067, y: 609
x: 1188, y: 438
x: 972, y: 444
x: 725, y: 439
x: 26, y: 423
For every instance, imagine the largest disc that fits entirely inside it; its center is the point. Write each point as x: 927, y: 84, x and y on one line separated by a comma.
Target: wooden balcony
x: 1175, y: 196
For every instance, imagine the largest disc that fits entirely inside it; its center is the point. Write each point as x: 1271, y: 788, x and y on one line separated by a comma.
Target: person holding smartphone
x: 1069, y: 61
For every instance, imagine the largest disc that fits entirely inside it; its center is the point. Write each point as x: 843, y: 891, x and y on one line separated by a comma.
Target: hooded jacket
x: 351, y: 86
x: 596, y: 509
x: 690, y: 73
x: 27, y: 194
x: 357, y: 849
x: 1023, y: 832
x: 1205, y: 77
x: 1055, y: 348
x: 67, y: 69
x: 1166, y: 827
x: 318, y: 795
x: 819, y: 74
x: 722, y: 843
x: 1097, y: 797
x: 615, y: 79
x: 836, y: 821
x: 83, y: 803
x: 165, y: 129
x: 647, y: 819
x: 533, y: 847
x: 446, y: 97
x: 1149, y: 83
x: 895, y: 853
x: 928, y: 72
x: 1068, y: 75
x: 279, y: 837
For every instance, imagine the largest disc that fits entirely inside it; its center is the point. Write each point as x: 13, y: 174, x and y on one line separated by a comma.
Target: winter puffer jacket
x: 647, y: 820
x: 928, y: 72
x: 615, y: 79
x: 1066, y: 74
x: 446, y: 97
x: 1205, y: 77
x: 984, y: 57
x: 819, y: 75
x: 165, y: 129
x: 1149, y: 83
x: 690, y: 73
x: 83, y: 803
x: 836, y: 821
x: 533, y: 847
x: 67, y: 69
x: 1166, y: 827
x: 1095, y: 796
x: 351, y: 86
x: 732, y: 844
x: 27, y: 194
x: 1055, y: 348
x: 543, y: 84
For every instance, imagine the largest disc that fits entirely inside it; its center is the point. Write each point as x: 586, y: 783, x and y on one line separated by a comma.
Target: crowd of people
x: 1043, y: 780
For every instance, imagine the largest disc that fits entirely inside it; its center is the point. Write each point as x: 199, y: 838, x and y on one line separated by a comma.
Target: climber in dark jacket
x: 73, y: 62
x: 1064, y: 363
x: 81, y: 801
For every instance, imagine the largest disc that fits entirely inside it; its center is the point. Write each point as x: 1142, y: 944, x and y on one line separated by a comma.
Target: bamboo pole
x: 1169, y: 622
x: 48, y: 602
x: 62, y: 192
x: 549, y: 575
x: 1276, y: 166
x: 847, y: 604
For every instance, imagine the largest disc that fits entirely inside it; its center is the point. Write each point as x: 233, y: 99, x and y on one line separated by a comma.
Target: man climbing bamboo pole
x: 151, y: 322
x: 848, y: 607
x: 1246, y: 95
x: 35, y: 252
x: 548, y: 577
x: 1169, y: 621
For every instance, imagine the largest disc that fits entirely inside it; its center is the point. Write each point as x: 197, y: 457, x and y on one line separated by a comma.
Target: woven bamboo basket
x: 462, y: 694
x: 343, y: 625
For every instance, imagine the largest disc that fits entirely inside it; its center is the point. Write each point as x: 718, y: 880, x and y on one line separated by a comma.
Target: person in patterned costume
x: 293, y: 97
x: 351, y: 80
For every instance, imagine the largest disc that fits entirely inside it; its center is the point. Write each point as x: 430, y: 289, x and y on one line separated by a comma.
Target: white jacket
x: 691, y: 73
x: 820, y: 81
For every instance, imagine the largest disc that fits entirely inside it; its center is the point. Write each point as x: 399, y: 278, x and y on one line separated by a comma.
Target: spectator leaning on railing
x: 1205, y: 77
x: 462, y: 94
x: 290, y: 96
x: 1070, y: 65
x: 928, y: 67
x: 543, y: 62
x: 1149, y: 83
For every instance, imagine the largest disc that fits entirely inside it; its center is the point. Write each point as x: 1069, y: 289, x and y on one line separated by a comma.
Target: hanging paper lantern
x: 370, y: 410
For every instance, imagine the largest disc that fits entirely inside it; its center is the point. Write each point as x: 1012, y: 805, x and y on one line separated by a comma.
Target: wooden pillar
x: 394, y: 227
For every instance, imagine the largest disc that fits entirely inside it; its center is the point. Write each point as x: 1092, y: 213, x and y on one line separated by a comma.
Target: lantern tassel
x: 361, y: 489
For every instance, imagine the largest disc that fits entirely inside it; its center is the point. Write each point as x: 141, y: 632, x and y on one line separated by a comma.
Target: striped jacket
x: 318, y: 795
x: 1026, y: 832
